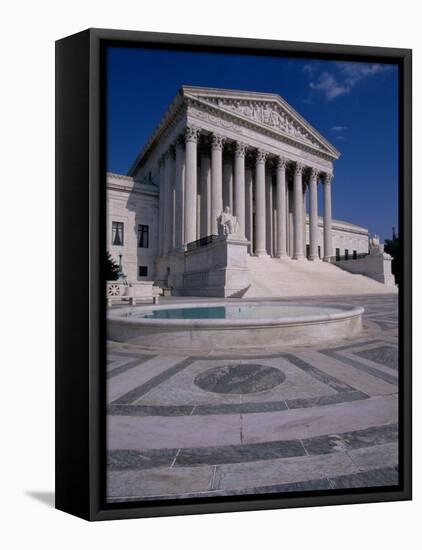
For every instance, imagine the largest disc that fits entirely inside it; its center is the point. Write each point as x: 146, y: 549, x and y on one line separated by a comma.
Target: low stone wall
x: 375, y: 266
x: 138, y: 289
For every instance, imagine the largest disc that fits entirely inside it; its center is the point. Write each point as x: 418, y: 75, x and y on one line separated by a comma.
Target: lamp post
x: 121, y: 275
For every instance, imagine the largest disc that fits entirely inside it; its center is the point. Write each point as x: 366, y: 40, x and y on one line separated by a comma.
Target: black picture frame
x: 80, y: 282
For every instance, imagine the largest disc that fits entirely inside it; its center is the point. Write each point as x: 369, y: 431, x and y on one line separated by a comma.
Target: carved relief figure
x: 265, y: 114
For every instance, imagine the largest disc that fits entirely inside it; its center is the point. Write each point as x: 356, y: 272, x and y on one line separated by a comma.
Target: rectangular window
x: 143, y: 271
x: 337, y: 254
x: 117, y: 233
x: 308, y: 250
x: 319, y: 251
x: 346, y: 253
x: 355, y: 255
x: 143, y: 236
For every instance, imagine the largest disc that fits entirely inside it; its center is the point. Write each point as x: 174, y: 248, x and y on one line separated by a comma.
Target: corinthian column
x: 205, y: 193
x: 269, y: 210
x: 298, y: 213
x: 216, y: 180
x: 161, y: 215
x: 179, y: 228
x: 191, y: 138
x: 168, y: 201
x: 328, y: 239
x: 313, y: 216
x: 260, y: 203
x: 239, y: 186
x: 281, y: 207
x: 249, y: 208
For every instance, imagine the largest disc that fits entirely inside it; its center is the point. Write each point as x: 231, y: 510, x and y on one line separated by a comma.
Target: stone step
x: 287, y: 277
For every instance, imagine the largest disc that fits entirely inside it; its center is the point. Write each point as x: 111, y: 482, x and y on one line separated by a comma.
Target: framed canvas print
x: 233, y: 274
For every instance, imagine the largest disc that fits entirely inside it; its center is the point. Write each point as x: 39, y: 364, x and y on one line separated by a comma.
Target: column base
x: 261, y: 254
x: 327, y: 259
x: 281, y: 255
x: 299, y: 257
x: 314, y: 259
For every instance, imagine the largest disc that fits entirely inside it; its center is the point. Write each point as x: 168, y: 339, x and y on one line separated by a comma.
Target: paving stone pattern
x: 294, y: 420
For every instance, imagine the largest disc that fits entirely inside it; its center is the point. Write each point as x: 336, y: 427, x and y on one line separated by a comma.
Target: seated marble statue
x: 227, y: 223
x: 375, y: 247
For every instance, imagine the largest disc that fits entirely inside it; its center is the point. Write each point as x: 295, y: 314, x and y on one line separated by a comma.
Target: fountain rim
x: 348, y: 311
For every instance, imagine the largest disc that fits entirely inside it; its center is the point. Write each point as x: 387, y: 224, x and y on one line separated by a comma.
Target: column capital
x: 192, y: 133
x: 240, y: 149
x: 217, y: 141
x: 281, y: 162
x: 299, y: 168
x: 314, y: 173
x: 261, y: 156
x: 328, y: 178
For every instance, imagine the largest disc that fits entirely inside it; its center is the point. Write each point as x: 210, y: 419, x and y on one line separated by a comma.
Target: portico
x: 251, y: 152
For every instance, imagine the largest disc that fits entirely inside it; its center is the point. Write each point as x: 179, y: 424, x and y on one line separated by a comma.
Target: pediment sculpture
x: 270, y: 115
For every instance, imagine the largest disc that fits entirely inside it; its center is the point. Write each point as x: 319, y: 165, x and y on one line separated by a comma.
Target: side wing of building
x: 132, y: 225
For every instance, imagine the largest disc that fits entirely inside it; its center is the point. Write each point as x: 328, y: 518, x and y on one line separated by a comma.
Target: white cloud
x: 338, y: 128
x: 329, y: 85
x: 309, y: 69
x: 349, y: 74
x: 354, y: 72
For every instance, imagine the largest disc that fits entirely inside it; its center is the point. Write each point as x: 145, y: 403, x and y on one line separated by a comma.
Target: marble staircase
x: 276, y: 277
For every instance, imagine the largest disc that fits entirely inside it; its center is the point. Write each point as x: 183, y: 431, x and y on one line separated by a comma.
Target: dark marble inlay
x: 326, y: 400
x: 386, y: 325
x: 239, y: 379
x: 390, y: 378
x: 319, y: 375
x: 233, y: 408
x: 230, y: 454
x: 324, y: 444
x: 377, y: 435
x: 240, y: 408
x: 294, y: 487
x: 123, y: 459
x: 141, y: 390
x: 370, y: 478
x: 127, y: 366
x: 385, y: 355
x: 149, y: 410
x: 346, y: 441
x: 357, y: 344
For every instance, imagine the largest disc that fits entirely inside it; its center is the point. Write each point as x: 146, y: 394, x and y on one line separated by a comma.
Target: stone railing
x: 133, y: 292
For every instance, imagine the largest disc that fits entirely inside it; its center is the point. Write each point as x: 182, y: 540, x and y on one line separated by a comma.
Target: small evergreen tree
x: 112, y: 268
x: 392, y: 247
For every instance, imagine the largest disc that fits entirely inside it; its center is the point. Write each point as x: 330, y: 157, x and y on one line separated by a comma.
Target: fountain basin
x: 232, y: 325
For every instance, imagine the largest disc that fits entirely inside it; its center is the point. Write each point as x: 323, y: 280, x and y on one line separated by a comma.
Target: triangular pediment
x: 266, y: 110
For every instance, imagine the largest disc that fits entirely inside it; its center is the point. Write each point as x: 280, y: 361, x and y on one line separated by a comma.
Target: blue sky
x: 353, y: 105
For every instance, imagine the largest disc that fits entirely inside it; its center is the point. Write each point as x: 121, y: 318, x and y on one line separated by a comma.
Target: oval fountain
x: 216, y: 326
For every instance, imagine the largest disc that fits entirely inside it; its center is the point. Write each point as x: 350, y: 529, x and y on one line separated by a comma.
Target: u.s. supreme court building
x: 223, y: 201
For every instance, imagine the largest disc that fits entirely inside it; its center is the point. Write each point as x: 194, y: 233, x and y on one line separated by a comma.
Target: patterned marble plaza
x: 308, y: 418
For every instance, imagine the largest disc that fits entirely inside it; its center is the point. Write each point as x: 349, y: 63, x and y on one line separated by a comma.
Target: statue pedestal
x: 218, y: 269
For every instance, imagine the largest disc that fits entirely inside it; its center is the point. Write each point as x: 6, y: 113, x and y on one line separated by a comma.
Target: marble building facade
x: 216, y: 148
